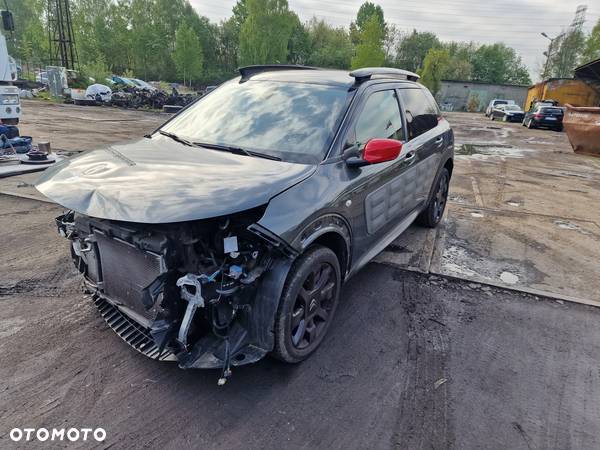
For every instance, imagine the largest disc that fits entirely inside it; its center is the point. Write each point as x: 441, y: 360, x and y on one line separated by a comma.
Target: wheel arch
x: 449, y: 165
x: 331, y: 231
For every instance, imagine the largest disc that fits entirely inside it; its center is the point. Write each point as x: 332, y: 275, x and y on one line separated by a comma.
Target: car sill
x: 387, y: 240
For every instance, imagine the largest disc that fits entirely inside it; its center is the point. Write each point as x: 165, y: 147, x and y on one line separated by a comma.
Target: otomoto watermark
x: 57, y: 434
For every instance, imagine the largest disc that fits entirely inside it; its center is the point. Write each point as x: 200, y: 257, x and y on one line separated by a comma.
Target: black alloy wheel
x: 313, y: 306
x: 307, y: 305
x: 441, y: 197
x: 433, y: 213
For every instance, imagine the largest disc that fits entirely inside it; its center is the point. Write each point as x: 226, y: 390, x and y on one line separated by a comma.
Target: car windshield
x: 500, y: 102
x: 512, y: 108
x: 295, y: 122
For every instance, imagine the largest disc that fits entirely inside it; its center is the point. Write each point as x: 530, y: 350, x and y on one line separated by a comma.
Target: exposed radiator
x: 127, y: 271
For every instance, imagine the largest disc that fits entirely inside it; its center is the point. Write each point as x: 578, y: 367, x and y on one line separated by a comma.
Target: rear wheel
x: 307, y: 306
x: 432, y: 215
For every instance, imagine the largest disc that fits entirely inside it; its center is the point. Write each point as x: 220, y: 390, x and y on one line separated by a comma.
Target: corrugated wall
x: 574, y: 92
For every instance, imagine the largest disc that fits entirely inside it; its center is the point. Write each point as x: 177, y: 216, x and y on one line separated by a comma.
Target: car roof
x: 328, y: 77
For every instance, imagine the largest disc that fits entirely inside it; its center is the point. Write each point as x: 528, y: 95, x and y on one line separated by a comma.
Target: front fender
x: 262, y: 317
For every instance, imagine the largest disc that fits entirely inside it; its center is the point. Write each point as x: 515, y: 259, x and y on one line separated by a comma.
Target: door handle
x: 410, y: 156
x: 439, y: 141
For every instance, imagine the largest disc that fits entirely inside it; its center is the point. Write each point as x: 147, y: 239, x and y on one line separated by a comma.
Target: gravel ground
x: 411, y: 361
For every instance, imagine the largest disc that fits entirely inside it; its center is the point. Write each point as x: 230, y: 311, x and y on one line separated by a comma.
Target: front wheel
x: 432, y: 215
x: 310, y: 297
x: 492, y: 117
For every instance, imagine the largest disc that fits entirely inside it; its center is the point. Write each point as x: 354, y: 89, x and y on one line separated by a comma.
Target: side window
x: 380, y: 118
x: 421, y: 115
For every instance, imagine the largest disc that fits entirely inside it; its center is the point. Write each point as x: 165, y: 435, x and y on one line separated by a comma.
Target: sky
x: 517, y: 23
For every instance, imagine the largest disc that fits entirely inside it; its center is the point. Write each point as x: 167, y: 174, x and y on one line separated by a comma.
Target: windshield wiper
x: 236, y: 150
x: 177, y: 138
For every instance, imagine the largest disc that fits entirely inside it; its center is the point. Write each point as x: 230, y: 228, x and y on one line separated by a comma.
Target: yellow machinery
x: 564, y: 90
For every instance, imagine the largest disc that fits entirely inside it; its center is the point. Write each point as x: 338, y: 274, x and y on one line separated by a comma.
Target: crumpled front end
x: 203, y: 293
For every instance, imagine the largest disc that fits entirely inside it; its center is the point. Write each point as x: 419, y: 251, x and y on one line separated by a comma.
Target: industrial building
x: 475, y: 96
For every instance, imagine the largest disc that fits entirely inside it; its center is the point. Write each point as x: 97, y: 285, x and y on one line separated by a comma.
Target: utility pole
x: 563, y: 49
x: 60, y: 34
x: 550, y: 53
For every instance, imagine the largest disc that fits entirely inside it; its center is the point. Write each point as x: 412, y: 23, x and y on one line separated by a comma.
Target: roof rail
x: 362, y: 75
x: 248, y: 71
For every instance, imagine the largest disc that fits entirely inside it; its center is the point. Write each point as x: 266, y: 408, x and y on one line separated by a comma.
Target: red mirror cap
x: 381, y: 150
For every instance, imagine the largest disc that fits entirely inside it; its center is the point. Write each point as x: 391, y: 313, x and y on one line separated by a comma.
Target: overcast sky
x: 517, y: 23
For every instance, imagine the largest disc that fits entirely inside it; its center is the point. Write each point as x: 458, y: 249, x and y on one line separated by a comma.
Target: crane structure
x: 60, y: 35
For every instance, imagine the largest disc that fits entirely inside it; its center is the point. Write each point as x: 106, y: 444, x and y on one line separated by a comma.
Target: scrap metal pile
x: 132, y: 93
x: 139, y: 98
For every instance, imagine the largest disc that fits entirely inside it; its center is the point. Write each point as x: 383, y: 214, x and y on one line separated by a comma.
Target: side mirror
x: 375, y: 151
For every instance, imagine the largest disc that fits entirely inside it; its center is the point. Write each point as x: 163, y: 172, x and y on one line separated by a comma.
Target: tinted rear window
x: 421, y: 115
x: 551, y: 111
x: 293, y: 121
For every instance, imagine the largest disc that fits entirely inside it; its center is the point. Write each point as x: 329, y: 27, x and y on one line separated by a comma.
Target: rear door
x: 424, y: 137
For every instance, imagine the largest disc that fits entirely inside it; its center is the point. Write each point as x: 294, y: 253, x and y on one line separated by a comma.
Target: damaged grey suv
x: 227, y: 233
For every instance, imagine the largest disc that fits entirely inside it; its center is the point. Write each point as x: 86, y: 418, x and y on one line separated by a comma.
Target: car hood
x: 158, y: 180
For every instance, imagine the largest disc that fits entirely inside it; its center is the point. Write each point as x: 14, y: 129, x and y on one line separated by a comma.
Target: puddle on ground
x: 476, y: 214
x: 566, y: 225
x: 457, y: 198
x: 487, y: 150
x: 515, y: 204
x: 509, y: 278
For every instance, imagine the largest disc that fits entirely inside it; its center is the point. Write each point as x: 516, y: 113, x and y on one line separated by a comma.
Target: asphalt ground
x: 411, y: 361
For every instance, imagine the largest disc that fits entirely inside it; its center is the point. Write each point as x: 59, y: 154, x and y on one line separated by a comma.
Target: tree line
x: 168, y: 40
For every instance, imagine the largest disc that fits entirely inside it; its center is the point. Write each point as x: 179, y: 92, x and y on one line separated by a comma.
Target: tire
x: 492, y: 117
x: 433, y: 213
x: 308, y: 302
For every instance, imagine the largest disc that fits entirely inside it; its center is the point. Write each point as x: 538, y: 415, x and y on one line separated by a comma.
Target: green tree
x: 497, y: 63
x: 460, y: 65
x: 188, y: 54
x: 29, y: 41
x: 413, y: 48
x: 298, y: 43
x: 98, y: 70
x: 591, y: 51
x: 265, y: 34
x: 364, y: 14
x: 369, y: 51
x: 434, y: 67
x: 569, y: 47
x: 228, y: 38
x: 329, y: 46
